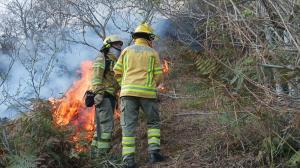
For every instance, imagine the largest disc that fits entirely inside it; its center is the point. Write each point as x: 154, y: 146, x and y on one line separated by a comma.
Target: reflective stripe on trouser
x: 128, y: 145
x: 129, y: 117
x: 154, y: 138
x: 103, y: 142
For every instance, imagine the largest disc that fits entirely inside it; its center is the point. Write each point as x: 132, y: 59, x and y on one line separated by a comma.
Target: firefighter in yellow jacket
x: 139, y: 72
x: 104, y: 85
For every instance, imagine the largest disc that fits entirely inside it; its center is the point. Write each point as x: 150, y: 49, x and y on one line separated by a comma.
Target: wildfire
x: 71, y: 110
x: 166, y: 68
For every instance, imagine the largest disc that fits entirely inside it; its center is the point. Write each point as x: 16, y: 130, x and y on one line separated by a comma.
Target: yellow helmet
x: 107, y: 43
x: 144, y: 28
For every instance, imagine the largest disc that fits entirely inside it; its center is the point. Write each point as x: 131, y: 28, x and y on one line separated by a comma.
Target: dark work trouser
x: 104, y: 120
x: 129, y: 117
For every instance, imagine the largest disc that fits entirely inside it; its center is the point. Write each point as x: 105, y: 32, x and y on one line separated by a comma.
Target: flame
x: 166, y: 68
x: 71, y: 110
x: 117, y: 112
x: 162, y: 88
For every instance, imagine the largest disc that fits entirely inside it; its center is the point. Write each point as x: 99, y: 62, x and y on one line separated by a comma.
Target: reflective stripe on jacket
x: 104, y: 82
x: 139, y: 70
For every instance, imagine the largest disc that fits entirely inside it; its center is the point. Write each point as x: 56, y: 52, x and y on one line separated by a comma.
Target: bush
x: 33, y: 140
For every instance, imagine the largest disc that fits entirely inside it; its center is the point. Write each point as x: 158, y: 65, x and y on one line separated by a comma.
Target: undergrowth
x: 32, y: 140
x: 246, y: 125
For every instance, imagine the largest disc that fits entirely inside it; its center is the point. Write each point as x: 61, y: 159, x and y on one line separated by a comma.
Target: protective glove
x: 89, y: 98
x: 98, y: 99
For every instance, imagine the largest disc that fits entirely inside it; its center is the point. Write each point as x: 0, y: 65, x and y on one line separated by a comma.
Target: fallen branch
x: 207, y: 113
x: 281, y: 67
x: 175, y: 96
x: 199, y: 113
x: 5, y: 141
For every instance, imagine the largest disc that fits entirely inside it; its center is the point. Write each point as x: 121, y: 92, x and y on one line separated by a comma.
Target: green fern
x: 29, y: 137
x: 206, y: 66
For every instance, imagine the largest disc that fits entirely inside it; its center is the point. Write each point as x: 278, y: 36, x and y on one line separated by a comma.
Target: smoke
x: 66, y: 69
x: 64, y: 73
x: 60, y: 79
x: 166, y: 31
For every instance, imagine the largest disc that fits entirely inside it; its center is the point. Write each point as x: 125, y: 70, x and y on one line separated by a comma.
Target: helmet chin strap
x: 150, y: 43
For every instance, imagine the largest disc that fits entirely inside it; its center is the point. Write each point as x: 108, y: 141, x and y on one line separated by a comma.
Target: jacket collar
x: 111, y: 56
x: 141, y: 41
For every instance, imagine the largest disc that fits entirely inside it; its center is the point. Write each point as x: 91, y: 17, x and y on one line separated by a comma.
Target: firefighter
x: 139, y: 72
x: 105, y: 86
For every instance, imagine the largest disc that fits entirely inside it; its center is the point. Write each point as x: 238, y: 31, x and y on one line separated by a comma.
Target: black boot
x: 129, y: 163
x: 155, y: 157
x: 103, y: 152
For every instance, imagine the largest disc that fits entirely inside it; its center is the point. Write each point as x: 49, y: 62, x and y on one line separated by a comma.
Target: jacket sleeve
x: 98, y: 71
x: 158, y: 73
x: 118, y: 68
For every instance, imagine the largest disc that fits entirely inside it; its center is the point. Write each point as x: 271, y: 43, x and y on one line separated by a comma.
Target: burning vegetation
x: 235, y: 92
x: 71, y: 111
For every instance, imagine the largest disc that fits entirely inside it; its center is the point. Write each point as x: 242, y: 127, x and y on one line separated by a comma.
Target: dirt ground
x: 178, y: 136
x: 185, y: 141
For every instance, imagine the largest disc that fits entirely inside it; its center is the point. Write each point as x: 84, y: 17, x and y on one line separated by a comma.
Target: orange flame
x: 117, y: 112
x: 166, y: 68
x: 71, y: 110
x: 162, y: 88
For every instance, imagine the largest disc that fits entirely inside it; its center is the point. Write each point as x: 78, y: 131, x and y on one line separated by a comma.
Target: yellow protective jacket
x: 104, y: 80
x: 139, y: 70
